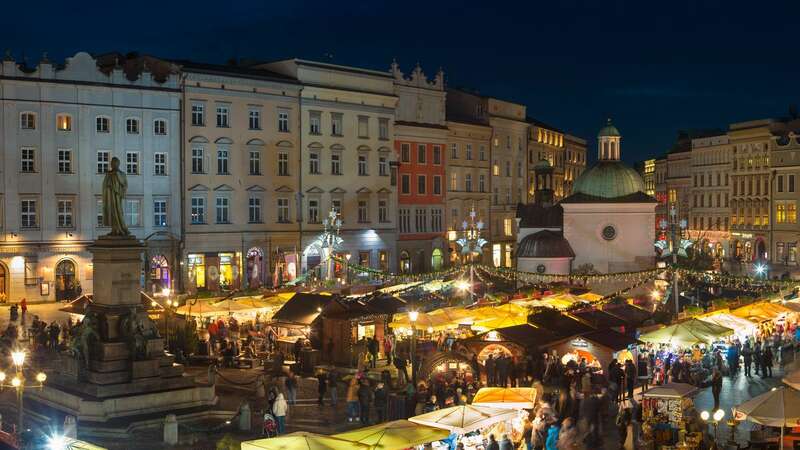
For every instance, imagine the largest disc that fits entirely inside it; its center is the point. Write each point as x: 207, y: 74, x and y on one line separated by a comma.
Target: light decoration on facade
x: 471, y: 244
x: 328, y: 242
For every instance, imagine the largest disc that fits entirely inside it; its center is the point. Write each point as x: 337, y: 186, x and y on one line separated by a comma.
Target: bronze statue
x: 137, y: 328
x: 84, y: 335
x: 115, y: 185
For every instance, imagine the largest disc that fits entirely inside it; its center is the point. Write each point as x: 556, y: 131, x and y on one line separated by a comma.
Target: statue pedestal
x: 128, y: 373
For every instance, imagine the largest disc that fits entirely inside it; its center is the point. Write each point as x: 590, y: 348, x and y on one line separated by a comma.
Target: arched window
x: 67, y: 286
x: 405, y: 262
x: 437, y: 259
x: 159, y: 273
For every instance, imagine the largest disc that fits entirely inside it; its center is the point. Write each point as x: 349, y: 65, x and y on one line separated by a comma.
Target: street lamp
x: 18, y: 382
x: 676, y: 228
x: 413, y: 315
x: 471, y: 244
x: 717, y: 418
x: 761, y: 270
x: 169, y: 304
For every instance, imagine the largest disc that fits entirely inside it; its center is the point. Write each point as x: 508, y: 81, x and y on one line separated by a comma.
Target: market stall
x: 687, y: 334
x: 598, y: 348
x: 471, y: 422
x: 663, y: 410
x: 395, y: 435
x: 779, y: 407
x: 743, y: 328
x: 513, y: 398
x: 302, y: 440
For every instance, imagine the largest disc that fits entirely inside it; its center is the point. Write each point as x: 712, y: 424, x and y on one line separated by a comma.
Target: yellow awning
x: 464, y: 418
x: 761, y: 311
x: 302, y: 441
x: 687, y: 334
x: 395, y: 435
x: 516, y: 398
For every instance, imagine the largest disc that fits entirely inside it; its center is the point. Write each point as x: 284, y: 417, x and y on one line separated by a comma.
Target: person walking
x: 630, y: 377
x: 493, y: 445
x: 381, y: 398
x: 623, y: 420
x: 643, y: 371
x: 291, y: 387
x: 747, y: 355
x: 372, y: 347
x: 23, y: 306
x: 402, y: 371
x: 279, y: 411
x: 352, y: 400
x: 716, y: 386
x: 757, y: 355
x: 322, y: 385
x: 766, y: 362
x: 364, y: 395
x: 333, y: 386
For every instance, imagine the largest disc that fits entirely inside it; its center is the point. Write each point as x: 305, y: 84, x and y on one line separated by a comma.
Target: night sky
x: 655, y: 67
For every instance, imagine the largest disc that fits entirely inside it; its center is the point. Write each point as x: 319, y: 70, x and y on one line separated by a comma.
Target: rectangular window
x: 160, y: 127
x: 314, y: 122
x: 791, y: 183
x: 132, y: 126
x: 404, y: 217
x: 64, y: 213
x: 254, y: 119
x: 223, y: 116
x: 482, y: 152
x: 28, y: 217
x: 405, y: 183
x: 198, y: 210
x: 383, y: 211
x: 64, y: 122
x: 313, y: 162
x: 421, y: 220
x: 422, y: 153
x: 405, y: 153
x: 507, y: 226
x: 336, y: 205
x: 437, y: 185
x: 791, y: 212
x: 27, y: 121
x: 132, y: 163
x: 383, y: 166
x: 780, y: 183
x: 437, y: 154
x: 103, y: 160
x: 254, y: 210
x: 383, y: 129
x: 28, y: 160
x: 313, y: 211
x: 283, y: 210
x: 468, y: 182
x: 64, y: 161
x: 336, y: 164
x: 222, y: 161
x: 363, y: 212
x: 255, y: 162
x: 223, y: 209
x: 336, y: 124
x: 363, y: 126
x: 198, y: 114
x: 103, y: 124
x: 283, y: 121
x: 481, y: 183
x: 198, y: 159
x: 495, y: 169
x: 99, y: 213
x: 436, y: 220
x: 159, y: 213
x: 508, y: 168
x: 133, y: 212
x: 362, y: 165
x: 160, y: 163
x: 453, y: 182
x: 453, y: 151
x: 468, y: 152
x: 283, y: 164
x: 422, y: 185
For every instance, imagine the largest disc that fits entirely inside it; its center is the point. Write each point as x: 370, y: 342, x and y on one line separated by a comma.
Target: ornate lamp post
x: 716, y: 418
x: 19, y: 383
x: 330, y: 238
x: 471, y: 244
x: 412, y: 317
x: 676, y: 228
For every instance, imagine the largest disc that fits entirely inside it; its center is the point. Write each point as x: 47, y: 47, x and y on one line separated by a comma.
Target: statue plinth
x: 120, y: 368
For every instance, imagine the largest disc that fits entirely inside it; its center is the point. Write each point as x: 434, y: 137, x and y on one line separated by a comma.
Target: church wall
x: 557, y: 266
x: 630, y: 249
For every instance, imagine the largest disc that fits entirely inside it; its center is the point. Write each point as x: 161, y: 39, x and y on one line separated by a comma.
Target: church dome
x: 545, y: 244
x: 608, y: 130
x: 609, y: 179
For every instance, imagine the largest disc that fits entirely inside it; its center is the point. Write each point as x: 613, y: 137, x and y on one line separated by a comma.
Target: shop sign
x: 580, y: 343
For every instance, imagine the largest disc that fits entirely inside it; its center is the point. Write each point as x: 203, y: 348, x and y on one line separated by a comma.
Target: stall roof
x: 599, y: 318
x: 633, y: 315
x: 79, y: 305
x: 561, y: 325
x: 527, y: 335
x: 351, y: 308
x: 302, y: 309
x: 671, y: 390
x: 610, y: 339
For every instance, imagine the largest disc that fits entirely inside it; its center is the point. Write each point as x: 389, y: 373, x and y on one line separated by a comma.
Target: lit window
x: 159, y: 213
x: 64, y: 122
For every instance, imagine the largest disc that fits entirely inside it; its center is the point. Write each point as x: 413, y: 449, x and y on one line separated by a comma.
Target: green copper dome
x: 608, y: 130
x: 609, y: 179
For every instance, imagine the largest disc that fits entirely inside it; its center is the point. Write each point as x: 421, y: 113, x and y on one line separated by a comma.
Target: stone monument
x: 117, y: 366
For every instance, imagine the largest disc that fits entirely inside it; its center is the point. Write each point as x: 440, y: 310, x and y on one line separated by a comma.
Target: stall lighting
x: 719, y: 415
x: 462, y: 285
x: 41, y: 377
x: 18, y: 357
x: 16, y: 382
x: 760, y: 269
x: 705, y: 416
x: 655, y: 294
x: 413, y: 315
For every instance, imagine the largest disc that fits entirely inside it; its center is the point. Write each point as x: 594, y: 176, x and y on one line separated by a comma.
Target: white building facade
x: 60, y: 128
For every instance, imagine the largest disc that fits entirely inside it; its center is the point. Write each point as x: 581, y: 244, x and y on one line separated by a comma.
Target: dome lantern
x: 608, y: 140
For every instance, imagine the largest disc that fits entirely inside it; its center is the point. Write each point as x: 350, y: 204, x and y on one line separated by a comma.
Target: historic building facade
x: 61, y: 127
x: 241, y: 167
x: 346, y: 155
x: 420, y: 141
x: 566, y: 155
x: 785, y: 159
x: 709, y: 218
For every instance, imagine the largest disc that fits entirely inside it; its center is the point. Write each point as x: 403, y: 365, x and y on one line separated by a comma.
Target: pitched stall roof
x: 526, y: 335
x: 632, y: 315
x: 302, y: 309
x: 610, y: 339
x: 353, y: 308
x: 561, y: 325
x: 599, y: 318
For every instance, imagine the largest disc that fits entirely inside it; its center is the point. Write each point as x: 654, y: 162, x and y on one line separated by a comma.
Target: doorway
x: 66, y: 283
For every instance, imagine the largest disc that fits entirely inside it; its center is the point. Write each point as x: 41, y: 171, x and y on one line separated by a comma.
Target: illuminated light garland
x: 399, y: 278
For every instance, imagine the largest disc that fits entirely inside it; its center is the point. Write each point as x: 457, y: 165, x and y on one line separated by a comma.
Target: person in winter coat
x: 322, y: 385
x: 352, y: 400
x: 552, y: 437
x: 333, y: 386
x: 630, y: 377
x: 505, y: 443
x: 364, y: 400
x: 279, y: 411
x: 568, y: 438
x: 747, y: 355
x: 291, y: 387
x: 766, y: 362
x: 623, y: 420
x: 757, y: 356
x: 380, y: 402
x: 493, y: 445
x: 716, y: 386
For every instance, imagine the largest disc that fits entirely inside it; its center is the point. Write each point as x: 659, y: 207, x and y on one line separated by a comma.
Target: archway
x: 66, y: 283
x: 3, y: 283
x: 761, y: 250
x: 405, y: 262
x: 255, y: 268
x: 313, y: 257
x: 437, y: 259
x: 447, y: 364
x: 159, y: 273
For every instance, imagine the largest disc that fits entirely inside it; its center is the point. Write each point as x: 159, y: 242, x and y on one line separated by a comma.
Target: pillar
x: 70, y: 427
x: 171, y: 430
x: 245, y: 419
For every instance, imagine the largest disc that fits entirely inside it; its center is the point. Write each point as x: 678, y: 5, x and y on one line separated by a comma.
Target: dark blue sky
x: 654, y: 66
